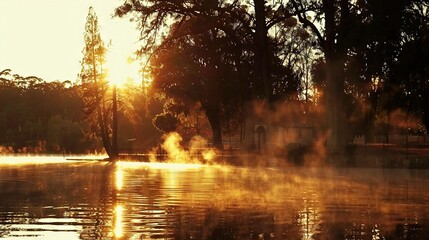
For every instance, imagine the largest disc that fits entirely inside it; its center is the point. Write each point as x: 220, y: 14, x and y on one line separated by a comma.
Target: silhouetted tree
x: 333, y: 36
x: 93, y: 82
x: 409, y: 71
x: 197, y: 69
x: 224, y: 45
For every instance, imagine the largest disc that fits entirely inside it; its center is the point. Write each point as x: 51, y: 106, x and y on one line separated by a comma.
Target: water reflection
x: 118, y: 230
x: 119, y: 178
x: 173, y: 201
x: 309, y: 217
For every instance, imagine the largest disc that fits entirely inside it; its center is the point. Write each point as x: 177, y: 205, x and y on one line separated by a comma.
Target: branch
x: 307, y: 23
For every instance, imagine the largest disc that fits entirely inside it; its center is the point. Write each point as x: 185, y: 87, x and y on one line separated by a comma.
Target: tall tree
x: 244, y: 56
x: 199, y: 69
x: 189, y: 64
x: 334, y: 24
x: 262, y: 50
x: 94, y: 84
x: 412, y: 80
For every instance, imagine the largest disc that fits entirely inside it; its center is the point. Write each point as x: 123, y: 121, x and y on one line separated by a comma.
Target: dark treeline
x: 37, y: 116
x: 50, y: 117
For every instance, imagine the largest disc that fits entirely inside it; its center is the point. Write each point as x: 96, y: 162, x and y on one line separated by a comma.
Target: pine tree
x: 93, y: 81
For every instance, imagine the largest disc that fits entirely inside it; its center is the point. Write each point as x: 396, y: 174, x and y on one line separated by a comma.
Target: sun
x: 120, y: 70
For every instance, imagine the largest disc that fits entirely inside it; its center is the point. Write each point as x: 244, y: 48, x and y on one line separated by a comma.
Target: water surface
x: 96, y: 200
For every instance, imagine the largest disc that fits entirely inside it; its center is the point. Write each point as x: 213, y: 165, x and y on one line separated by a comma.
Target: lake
x: 51, y: 198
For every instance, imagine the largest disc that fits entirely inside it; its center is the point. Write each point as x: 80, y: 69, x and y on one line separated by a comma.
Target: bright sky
x: 44, y: 38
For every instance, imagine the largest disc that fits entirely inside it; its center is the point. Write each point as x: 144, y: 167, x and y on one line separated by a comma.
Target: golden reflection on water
x: 183, y: 201
x: 119, y: 176
x: 118, y: 208
x: 30, y: 159
x: 23, y: 160
x: 160, y: 165
x: 118, y: 230
x: 309, y: 217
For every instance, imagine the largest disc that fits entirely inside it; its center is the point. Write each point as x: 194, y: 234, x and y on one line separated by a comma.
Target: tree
x: 377, y: 69
x: 93, y: 82
x: 139, y: 105
x: 198, y: 69
x: 226, y: 45
x: 412, y: 80
x: 363, y: 44
x: 258, y: 22
x: 331, y: 34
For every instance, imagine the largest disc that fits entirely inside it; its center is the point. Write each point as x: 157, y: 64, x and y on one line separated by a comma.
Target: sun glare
x: 120, y: 70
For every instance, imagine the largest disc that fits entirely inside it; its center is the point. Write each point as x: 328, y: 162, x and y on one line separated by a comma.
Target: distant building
x: 275, y: 132
x: 263, y: 136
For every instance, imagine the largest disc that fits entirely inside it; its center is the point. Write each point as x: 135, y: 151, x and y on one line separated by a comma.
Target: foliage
x: 165, y: 122
x: 94, y: 85
x: 362, y: 42
x: 215, y: 53
x: 349, y: 56
x: 39, y: 116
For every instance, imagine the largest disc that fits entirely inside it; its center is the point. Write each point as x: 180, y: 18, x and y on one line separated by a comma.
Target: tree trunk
x: 102, y: 124
x: 334, y: 49
x: 334, y: 83
x: 213, y: 115
x: 114, y: 151
x: 425, y: 115
x: 263, y: 84
x: 334, y: 107
x: 103, y: 131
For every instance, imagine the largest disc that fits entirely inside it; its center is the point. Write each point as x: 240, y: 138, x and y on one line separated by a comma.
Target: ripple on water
x: 162, y: 201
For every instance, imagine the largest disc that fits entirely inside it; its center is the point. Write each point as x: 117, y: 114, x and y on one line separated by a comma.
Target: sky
x: 44, y: 38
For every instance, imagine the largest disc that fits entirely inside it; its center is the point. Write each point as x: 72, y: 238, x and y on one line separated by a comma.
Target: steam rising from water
x: 196, y: 152
x: 6, y: 150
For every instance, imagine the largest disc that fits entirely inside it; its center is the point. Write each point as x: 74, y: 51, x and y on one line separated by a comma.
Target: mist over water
x: 195, y: 151
x: 88, y: 200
